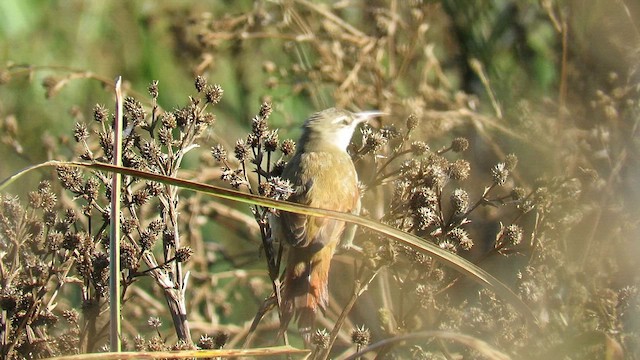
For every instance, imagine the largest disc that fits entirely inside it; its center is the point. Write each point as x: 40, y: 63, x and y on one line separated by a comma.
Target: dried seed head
x: 253, y: 141
x: 287, y: 147
x: 200, y: 83
x: 106, y: 143
x: 410, y: 168
x: 147, y: 239
x: 128, y: 225
x: 423, y: 197
x: 259, y: 127
x: 207, y: 119
x: 265, y: 110
x: 139, y: 343
x: 389, y: 132
x: 165, y: 136
x: 133, y: 109
x: 183, y: 254
x: 425, y: 217
x: 213, y: 93
x: 70, y: 178
x: 460, y: 201
x: 320, y: 338
x: 374, y: 141
x: 500, y: 174
x: 154, y: 322
x: 156, y: 226
x: 412, y: 122
x: 49, y: 217
x: 72, y: 240
x: 184, y: 116
x: 435, y: 177
x: 100, y: 114
x: 278, y: 189
x: 448, y: 246
x: 219, y: 153
x: 278, y: 168
x: 419, y: 148
x: 54, y: 241
x: 128, y: 257
x: 71, y: 316
x: 361, y: 336
x: 461, y: 237
x: 512, y: 234
x: 241, y: 151
x: 91, y: 189
x: 459, y: 170
x: 151, y: 152
x: 168, y: 237
x: 140, y: 197
x: 153, y: 89
x: 206, y: 342
x: 169, y: 121
x: 153, y: 188
x: 511, y: 161
x: 271, y: 141
x: 70, y: 216
x: 265, y: 189
x: 80, y: 133
x: 459, y: 144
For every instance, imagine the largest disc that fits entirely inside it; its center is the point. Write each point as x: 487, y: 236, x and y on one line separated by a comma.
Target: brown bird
x: 323, y: 176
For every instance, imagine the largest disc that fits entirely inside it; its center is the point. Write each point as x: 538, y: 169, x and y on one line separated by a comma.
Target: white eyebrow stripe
x: 339, y: 119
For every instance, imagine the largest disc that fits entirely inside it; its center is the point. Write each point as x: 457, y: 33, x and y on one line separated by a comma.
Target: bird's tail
x: 305, y: 287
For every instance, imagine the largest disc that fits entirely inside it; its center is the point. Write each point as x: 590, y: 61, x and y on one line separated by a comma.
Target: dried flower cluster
x: 34, y: 243
x: 257, y: 154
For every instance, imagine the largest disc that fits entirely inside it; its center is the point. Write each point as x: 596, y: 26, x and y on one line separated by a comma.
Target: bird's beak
x: 364, y: 116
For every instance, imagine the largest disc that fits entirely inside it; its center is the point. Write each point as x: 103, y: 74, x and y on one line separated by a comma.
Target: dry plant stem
x: 75, y: 74
x: 535, y: 240
x: 173, y: 295
x: 266, y: 306
x: 176, y: 298
x: 562, y: 96
x: 358, y: 290
x: 333, y: 18
x: 477, y: 66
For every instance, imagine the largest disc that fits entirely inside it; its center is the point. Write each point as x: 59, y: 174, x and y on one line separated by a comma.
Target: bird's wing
x: 293, y: 225
x: 330, y: 191
x: 302, y: 230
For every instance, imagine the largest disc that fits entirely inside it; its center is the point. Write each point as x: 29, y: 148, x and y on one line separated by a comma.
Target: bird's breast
x: 329, y: 179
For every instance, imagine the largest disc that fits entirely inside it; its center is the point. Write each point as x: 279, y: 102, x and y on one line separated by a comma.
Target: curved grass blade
x: 451, y: 260
x: 478, y: 345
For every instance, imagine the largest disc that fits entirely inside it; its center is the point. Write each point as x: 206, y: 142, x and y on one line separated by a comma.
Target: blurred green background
x: 142, y: 42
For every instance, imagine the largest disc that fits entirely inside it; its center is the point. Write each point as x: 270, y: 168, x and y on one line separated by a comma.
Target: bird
x: 322, y: 175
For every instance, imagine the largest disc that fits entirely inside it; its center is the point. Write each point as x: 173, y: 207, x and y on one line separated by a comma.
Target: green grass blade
x: 114, y: 234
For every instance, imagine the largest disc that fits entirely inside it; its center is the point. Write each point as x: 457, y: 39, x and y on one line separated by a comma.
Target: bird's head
x: 332, y: 128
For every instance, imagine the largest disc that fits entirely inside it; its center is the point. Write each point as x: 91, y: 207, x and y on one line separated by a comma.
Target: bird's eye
x: 343, y: 121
